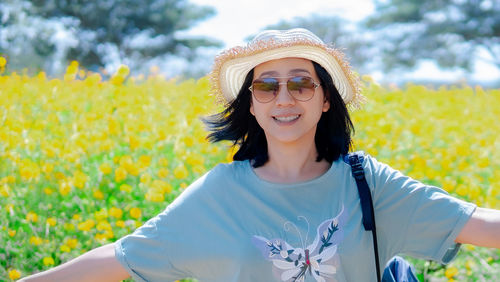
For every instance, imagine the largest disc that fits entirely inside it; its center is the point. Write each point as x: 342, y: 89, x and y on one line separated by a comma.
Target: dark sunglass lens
x: 300, y: 82
x: 302, y: 88
x: 265, y: 89
x: 266, y: 85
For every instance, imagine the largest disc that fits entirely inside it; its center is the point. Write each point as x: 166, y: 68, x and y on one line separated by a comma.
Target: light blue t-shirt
x: 230, y: 225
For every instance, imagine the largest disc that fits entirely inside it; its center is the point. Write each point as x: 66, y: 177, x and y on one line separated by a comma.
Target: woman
x: 287, y: 208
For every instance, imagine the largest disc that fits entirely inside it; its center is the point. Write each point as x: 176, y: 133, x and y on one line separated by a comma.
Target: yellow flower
x: 195, y: 159
x: 12, y: 233
x: 154, y: 196
x: 120, y: 174
x: 163, y: 162
x: 72, y: 68
x: 116, y: 212
x: 5, y: 190
x: 180, y: 172
x: 31, y: 216
x: 101, y: 214
x: 199, y: 169
x: 35, y: 240
x: 135, y: 212
x: 188, y: 141
x: 123, y: 70
x: 69, y: 226
x: 161, y: 186
x: 133, y: 170
x: 163, y: 172
x: 105, y: 235
x: 79, y: 179
x: 65, y: 248
x: 48, y: 168
x: 138, y: 223
x: 14, y: 274
x: 99, y: 237
x: 120, y: 223
x: 76, y: 216
x: 105, y: 168
x: 11, y: 179
x: 469, y: 264
x: 133, y: 141
x: 3, y: 62
x: 469, y: 247
x: 462, y: 190
x: 71, y: 242
x: 144, y: 161
x: 145, y: 178
x: 98, y: 194
x: 59, y: 175
x: 126, y: 188
x: 48, y: 261
x: 451, y: 272
x: 48, y: 190
x: 103, y: 225
x: 29, y: 170
x: 86, y: 225
x: 64, y: 188
x: 52, y: 221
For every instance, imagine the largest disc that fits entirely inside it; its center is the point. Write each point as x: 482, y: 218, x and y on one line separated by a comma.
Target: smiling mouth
x: 287, y: 118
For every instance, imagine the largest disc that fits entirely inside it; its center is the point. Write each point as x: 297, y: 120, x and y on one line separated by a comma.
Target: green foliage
x: 91, y: 31
x: 448, y: 32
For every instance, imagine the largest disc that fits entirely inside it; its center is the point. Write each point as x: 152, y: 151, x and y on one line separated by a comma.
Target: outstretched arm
x: 98, y: 264
x: 482, y: 229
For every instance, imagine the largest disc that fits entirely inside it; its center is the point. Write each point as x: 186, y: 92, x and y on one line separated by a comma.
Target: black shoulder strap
x: 356, y: 162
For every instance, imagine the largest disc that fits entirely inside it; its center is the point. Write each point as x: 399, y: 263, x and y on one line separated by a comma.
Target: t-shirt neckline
x: 278, y: 185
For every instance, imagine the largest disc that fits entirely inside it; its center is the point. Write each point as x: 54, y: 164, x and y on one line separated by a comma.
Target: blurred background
x: 396, y: 41
x: 85, y: 161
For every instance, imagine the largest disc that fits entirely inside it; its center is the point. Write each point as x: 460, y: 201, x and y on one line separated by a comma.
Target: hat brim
x: 232, y: 67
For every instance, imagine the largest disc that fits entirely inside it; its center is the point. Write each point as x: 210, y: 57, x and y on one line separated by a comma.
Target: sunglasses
x: 301, y: 88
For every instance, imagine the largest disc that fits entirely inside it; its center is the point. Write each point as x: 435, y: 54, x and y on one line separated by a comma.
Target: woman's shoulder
x: 223, y: 172
x: 364, y: 158
x: 370, y: 164
x: 232, y: 167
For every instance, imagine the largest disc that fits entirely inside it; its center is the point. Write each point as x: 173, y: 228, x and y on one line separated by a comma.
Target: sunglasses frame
x: 316, y: 85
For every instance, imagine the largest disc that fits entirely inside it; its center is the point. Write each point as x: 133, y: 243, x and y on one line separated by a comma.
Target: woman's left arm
x: 482, y: 229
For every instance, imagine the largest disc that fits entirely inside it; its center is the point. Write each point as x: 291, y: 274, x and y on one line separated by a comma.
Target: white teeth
x: 286, y: 119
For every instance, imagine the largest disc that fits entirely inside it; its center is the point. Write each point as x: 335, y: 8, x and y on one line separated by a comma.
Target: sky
x: 236, y: 20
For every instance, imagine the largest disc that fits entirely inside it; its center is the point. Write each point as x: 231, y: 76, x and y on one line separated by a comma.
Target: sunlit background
x: 99, y: 111
x: 394, y: 41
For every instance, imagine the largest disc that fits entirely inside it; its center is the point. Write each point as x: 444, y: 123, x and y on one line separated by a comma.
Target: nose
x: 283, y: 96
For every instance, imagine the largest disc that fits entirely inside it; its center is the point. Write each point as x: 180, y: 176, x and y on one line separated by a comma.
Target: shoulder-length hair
x: 235, y: 123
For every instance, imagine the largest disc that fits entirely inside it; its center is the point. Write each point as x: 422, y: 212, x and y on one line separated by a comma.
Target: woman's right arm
x: 98, y: 264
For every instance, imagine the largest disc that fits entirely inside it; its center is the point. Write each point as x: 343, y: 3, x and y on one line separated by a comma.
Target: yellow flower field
x: 85, y: 161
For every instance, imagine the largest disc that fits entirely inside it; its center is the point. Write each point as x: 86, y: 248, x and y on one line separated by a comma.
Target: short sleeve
x: 160, y: 249
x: 145, y: 254
x: 413, y: 218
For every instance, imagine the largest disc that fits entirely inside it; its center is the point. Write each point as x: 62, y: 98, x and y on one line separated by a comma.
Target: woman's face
x: 286, y: 119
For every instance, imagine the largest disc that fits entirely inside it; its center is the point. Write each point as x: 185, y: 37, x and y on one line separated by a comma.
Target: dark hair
x: 237, y: 124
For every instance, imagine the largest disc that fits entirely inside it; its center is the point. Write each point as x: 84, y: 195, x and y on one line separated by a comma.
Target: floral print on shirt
x: 319, y: 259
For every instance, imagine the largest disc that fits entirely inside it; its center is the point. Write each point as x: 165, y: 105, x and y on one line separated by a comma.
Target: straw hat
x: 232, y: 65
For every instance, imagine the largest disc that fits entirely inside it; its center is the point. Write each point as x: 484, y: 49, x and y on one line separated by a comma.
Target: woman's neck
x: 290, y: 163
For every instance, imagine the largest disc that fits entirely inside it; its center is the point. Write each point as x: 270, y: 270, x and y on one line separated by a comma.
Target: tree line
x: 46, y: 35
